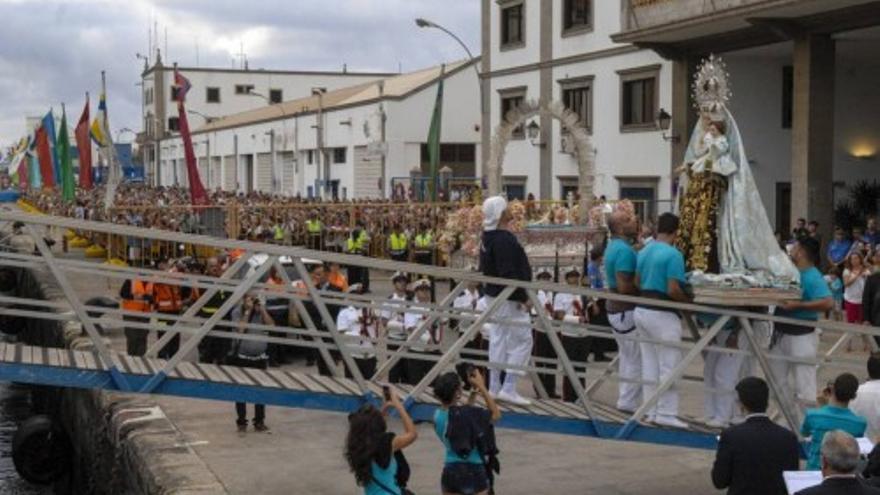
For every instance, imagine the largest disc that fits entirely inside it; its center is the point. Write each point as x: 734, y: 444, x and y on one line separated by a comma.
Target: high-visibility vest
x: 423, y: 241
x: 338, y: 280
x: 167, y: 298
x: 313, y: 226
x: 279, y: 233
x: 398, y: 242
x: 138, y: 288
x: 359, y: 244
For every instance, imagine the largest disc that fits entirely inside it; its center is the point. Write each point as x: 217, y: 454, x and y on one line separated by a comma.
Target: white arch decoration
x: 570, y: 122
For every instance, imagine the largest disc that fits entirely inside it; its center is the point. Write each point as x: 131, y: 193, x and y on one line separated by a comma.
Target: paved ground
x: 303, y: 452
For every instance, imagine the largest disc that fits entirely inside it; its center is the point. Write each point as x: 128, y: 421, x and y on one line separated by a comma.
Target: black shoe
x: 261, y: 427
x: 601, y: 358
x: 242, y: 427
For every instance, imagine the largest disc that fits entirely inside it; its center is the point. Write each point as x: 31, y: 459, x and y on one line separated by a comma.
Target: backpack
x: 470, y: 428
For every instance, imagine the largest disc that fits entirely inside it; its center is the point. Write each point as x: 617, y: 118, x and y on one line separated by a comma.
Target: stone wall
x: 124, y: 444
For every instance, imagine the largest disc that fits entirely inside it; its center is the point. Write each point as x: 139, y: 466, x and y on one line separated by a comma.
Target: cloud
x: 53, y: 51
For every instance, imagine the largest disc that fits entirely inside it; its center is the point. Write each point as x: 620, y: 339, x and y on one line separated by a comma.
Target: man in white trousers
x: 801, y: 341
x: 620, y: 272
x: 510, y: 340
x: 660, y: 275
x: 721, y: 373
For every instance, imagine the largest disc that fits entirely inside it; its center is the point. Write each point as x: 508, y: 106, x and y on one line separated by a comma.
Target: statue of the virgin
x: 724, y: 227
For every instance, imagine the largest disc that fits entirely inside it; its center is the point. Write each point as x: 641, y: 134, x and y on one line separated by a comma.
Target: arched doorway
x: 570, y: 123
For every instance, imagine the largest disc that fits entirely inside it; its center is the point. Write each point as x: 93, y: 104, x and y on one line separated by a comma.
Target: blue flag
x: 49, y: 126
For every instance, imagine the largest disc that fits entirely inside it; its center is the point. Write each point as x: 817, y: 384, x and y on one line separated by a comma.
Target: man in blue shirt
x: 839, y: 247
x: 620, y: 272
x: 835, y: 415
x: 660, y: 275
x: 801, y: 341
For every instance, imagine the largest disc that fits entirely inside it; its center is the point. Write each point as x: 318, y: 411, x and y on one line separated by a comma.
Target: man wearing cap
x: 571, y: 310
x: 359, y: 327
x: 429, y: 341
x: 391, y: 317
x: 620, y: 271
x: 543, y: 348
x: 510, y: 343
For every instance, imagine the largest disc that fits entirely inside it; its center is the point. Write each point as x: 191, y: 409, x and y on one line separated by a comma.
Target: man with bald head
x: 840, y: 458
x: 620, y: 270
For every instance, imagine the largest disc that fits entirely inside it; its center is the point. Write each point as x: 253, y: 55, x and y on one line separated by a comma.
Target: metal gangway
x: 594, y: 415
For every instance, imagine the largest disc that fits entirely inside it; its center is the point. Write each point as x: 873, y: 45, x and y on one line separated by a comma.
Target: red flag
x: 23, y: 175
x: 84, y: 146
x: 197, y: 193
x: 44, y: 155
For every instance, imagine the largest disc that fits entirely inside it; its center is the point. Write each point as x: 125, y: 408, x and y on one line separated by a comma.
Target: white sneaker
x: 671, y: 421
x: 716, y: 423
x: 513, y: 398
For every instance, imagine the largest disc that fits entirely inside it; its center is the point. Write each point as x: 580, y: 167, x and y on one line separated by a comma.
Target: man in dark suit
x: 840, y: 457
x: 752, y: 455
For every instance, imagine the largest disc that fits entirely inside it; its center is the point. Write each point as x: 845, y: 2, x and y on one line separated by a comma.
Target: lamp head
x: 533, y: 130
x: 424, y: 23
x: 664, y: 120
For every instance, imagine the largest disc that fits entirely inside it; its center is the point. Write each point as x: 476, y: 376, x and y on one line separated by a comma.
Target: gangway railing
x: 595, y: 416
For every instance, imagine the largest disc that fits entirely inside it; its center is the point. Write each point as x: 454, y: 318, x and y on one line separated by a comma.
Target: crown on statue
x: 712, y: 87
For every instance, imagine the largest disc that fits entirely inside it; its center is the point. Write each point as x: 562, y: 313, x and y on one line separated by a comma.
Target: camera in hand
x: 465, y: 370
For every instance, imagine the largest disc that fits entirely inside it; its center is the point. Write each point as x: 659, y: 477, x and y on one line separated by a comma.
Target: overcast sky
x: 54, y: 51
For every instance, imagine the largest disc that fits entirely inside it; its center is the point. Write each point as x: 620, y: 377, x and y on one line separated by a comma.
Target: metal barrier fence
x: 322, y: 333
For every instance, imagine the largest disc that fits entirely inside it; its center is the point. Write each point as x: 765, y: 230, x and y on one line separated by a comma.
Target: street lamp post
x: 424, y: 23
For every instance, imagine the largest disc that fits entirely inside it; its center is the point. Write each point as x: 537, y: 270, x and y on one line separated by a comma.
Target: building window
x: 339, y: 155
x: 639, y: 98
x: 174, y: 90
x: 576, y: 16
x: 173, y: 124
x: 577, y: 95
x: 514, y: 187
x: 276, y: 96
x: 787, y: 96
x: 510, y: 99
x: 212, y: 95
x: 310, y: 157
x: 243, y: 89
x: 148, y: 96
x: 512, y: 26
x: 643, y: 194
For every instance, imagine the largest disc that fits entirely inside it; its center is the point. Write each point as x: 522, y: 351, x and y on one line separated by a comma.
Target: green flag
x: 434, y: 136
x: 68, y: 193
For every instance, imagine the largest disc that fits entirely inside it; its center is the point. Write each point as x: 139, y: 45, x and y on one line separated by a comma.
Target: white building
x: 217, y: 92
x: 278, y: 148
x: 801, y: 75
x: 561, y: 50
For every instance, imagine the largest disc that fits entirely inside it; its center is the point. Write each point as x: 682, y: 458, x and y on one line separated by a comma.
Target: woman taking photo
x: 854, y: 276
x: 374, y: 454
x: 465, y: 471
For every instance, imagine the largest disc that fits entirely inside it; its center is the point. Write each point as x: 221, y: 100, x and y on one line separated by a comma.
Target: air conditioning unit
x: 567, y: 145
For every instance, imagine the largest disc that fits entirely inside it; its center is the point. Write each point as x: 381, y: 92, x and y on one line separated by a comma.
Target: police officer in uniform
x: 423, y: 252
x: 543, y: 348
x: 314, y: 232
x: 359, y: 243
x: 660, y: 275
x: 398, y: 244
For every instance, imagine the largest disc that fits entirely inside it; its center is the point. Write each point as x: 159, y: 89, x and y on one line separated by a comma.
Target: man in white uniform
x: 391, y: 317
x: 501, y: 256
x: 359, y: 327
x: 571, y: 310
x: 543, y: 348
x: 721, y: 372
x: 429, y: 341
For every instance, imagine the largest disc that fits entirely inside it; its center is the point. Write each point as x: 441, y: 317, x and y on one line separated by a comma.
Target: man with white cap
x: 510, y: 342
x: 429, y: 341
x: 359, y: 326
x: 392, y: 321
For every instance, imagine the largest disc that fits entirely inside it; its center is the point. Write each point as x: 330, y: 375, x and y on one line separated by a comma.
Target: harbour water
x: 14, y: 408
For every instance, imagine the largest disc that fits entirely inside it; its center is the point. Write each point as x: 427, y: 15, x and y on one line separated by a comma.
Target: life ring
x: 41, y: 451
